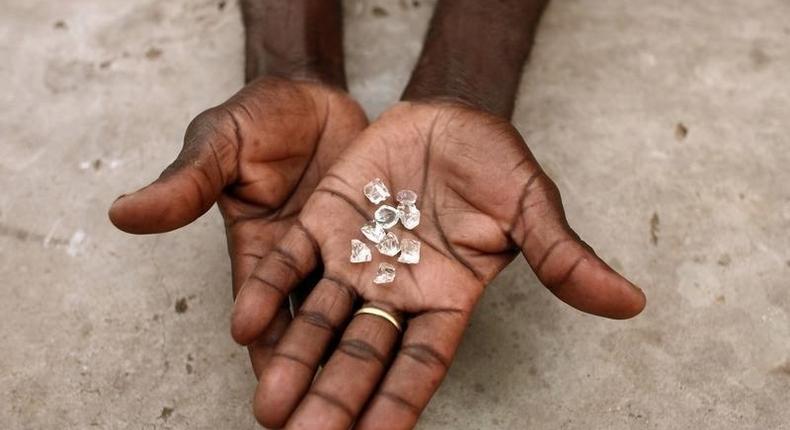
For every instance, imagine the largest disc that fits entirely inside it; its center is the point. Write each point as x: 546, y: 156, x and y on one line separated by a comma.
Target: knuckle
x: 425, y: 354
x: 287, y: 259
x: 294, y: 359
x: 332, y: 400
x: 317, y: 319
x: 265, y: 283
x: 401, y: 401
x: 561, y: 275
x: 209, y: 141
x: 344, y: 286
x: 361, y: 349
x: 548, y: 259
x: 207, y: 122
x: 548, y: 189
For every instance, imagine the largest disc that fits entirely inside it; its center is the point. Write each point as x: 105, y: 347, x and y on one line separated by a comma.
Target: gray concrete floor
x: 95, y: 97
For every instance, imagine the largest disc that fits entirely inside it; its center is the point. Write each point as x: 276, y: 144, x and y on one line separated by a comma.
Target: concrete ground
x: 665, y: 125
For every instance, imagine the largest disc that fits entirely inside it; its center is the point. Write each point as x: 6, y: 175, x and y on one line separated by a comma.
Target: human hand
x: 259, y: 155
x: 483, y: 198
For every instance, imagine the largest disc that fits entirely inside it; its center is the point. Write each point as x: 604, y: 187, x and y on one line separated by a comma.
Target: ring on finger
x: 372, y: 310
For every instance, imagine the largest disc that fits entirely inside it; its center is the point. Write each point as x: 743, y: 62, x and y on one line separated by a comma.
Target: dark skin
x: 483, y: 199
x: 260, y: 154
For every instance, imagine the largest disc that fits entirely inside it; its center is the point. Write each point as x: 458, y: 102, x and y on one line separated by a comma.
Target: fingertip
x: 637, y: 303
x: 119, y: 197
x: 595, y: 288
x: 113, y: 214
x: 157, y: 208
x: 244, y: 326
x: 240, y: 336
x: 262, y: 349
x: 271, y: 405
x: 625, y: 300
x: 138, y: 213
x: 119, y: 214
x: 265, y: 418
x: 240, y: 329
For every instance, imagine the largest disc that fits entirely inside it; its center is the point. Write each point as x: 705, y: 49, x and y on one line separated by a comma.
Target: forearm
x: 301, y: 39
x: 474, y: 52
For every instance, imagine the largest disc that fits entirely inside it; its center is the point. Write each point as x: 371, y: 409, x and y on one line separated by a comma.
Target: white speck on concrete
x: 75, y: 243
x: 51, y: 233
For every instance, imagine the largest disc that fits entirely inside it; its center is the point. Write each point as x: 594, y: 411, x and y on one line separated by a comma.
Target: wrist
x: 474, y: 53
x: 295, y: 39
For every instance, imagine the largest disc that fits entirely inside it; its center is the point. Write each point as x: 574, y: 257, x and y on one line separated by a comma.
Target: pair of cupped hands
x: 286, y: 161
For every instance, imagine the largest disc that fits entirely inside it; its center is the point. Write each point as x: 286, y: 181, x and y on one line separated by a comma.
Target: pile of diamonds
x: 377, y: 231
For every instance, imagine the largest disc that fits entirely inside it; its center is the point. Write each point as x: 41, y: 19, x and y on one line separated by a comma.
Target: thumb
x: 565, y: 264
x: 190, y: 185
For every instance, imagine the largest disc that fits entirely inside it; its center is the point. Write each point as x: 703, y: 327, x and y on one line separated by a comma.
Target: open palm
x: 483, y: 198
x: 259, y: 156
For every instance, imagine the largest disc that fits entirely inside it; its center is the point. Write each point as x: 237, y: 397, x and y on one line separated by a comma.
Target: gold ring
x: 370, y: 310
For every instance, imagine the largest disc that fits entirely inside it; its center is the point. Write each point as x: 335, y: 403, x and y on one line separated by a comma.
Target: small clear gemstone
x: 387, y: 216
x: 409, y: 216
x: 385, y: 274
x: 390, y: 245
x: 409, y: 251
x: 360, y: 253
x: 376, y: 191
x: 373, y: 231
x: 407, y: 197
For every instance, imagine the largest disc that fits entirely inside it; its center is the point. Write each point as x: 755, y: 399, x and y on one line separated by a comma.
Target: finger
x: 350, y: 376
x: 275, y: 276
x: 292, y: 366
x: 566, y: 265
x: 190, y: 185
x: 243, y: 262
x: 262, y: 349
x: 428, y: 347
